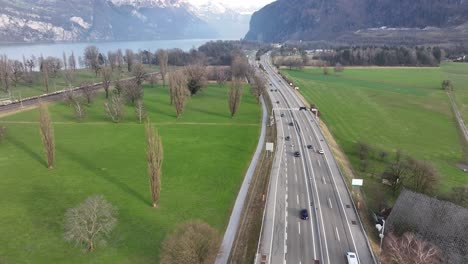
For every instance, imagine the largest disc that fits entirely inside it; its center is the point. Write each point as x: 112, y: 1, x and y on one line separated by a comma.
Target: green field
x: 458, y: 74
x: 399, y: 108
x: 58, y: 82
x: 206, y: 156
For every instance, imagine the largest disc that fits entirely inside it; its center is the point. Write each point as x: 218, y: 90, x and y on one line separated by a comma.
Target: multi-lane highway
x: 309, y: 179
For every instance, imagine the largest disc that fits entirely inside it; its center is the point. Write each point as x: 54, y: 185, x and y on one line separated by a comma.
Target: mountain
x: 85, y: 20
x: 359, y: 20
x: 229, y: 23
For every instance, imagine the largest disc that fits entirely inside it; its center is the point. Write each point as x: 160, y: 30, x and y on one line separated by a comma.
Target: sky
x: 244, y: 4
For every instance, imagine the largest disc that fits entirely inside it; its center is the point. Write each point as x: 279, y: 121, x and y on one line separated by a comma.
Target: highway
x: 311, y: 181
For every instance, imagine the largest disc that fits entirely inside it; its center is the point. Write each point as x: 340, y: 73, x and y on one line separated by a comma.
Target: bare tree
x: 221, y: 76
x: 114, y: 108
x: 72, y: 61
x: 154, y: 157
x: 2, y: 133
x: 79, y: 109
x: 132, y: 91
x: 90, y: 222
x: 408, y: 249
x: 5, y: 73
x: 193, y: 242
x: 179, y: 92
x: 258, y: 86
x: 139, y: 73
x: 129, y: 58
x: 112, y: 57
x: 447, y: 85
x: 106, y: 74
x: 47, y: 134
x: 17, y: 71
x: 422, y: 176
x: 119, y: 60
x: 239, y: 67
x: 88, y: 91
x: 152, y: 79
x: 363, y: 150
x: 64, y: 57
x: 396, y: 173
x: 91, y: 55
x: 235, y: 96
x: 69, y: 76
x: 196, y: 78
x: 338, y: 67
x: 163, y: 64
x: 140, y: 110
x: 45, y: 73
x: 459, y: 195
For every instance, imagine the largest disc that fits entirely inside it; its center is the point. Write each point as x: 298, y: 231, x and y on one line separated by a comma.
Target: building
x: 442, y: 223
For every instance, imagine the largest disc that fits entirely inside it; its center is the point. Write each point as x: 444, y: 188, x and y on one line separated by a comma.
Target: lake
x: 16, y: 51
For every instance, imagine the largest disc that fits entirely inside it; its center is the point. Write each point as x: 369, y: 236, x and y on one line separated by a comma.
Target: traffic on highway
x: 309, y: 215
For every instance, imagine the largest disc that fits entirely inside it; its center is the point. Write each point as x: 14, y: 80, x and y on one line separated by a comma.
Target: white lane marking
x: 299, y: 227
x: 297, y: 199
x: 334, y: 182
x: 294, y: 161
x: 295, y: 175
x: 330, y: 203
x: 318, y: 203
x: 323, y: 180
x: 339, y: 197
x: 274, y: 205
x: 318, y: 162
x: 308, y: 199
x: 337, y: 234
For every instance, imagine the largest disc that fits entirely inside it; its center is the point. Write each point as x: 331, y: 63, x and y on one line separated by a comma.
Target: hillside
x: 354, y: 20
x: 90, y: 20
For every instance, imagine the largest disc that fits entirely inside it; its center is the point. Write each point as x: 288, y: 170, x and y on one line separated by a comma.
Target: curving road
x: 311, y: 181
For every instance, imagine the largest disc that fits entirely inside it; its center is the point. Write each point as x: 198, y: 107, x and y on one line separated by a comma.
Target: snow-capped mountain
x: 228, y: 22
x: 82, y: 20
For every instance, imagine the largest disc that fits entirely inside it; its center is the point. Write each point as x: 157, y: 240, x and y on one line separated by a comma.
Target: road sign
x: 357, y: 182
x: 270, y: 146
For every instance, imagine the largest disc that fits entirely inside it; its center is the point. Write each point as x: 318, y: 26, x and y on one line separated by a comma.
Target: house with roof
x: 442, y: 223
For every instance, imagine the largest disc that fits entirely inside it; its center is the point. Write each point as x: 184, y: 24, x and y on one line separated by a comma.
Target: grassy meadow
x: 458, y: 74
x: 390, y: 109
x: 206, y: 154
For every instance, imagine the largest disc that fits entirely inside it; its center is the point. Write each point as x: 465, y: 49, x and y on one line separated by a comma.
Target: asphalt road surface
x: 311, y: 181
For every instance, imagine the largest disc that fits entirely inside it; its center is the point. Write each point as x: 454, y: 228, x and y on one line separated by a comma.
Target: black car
x: 282, y: 115
x: 302, y: 108
x: 304, y: 214
x: 276, y: 90
x: 277, y: 102
x: 310, y: 147
x: 297, y: 154
x: 291, y: 123
x: 287, y: 138
x: 271, y: 90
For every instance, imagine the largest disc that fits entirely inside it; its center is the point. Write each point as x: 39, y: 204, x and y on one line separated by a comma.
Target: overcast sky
x: 238, y: 3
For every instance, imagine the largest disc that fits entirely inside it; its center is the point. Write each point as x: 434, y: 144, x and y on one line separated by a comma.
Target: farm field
x: 206, y: 154
x: 458, y: 74
x: 389, y: 109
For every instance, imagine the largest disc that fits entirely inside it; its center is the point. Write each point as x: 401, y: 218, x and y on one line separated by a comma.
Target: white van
x: 352, y: 258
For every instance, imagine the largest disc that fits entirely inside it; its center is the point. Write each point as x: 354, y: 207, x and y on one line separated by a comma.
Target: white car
x: 352, y: 258
x: 320, y: 151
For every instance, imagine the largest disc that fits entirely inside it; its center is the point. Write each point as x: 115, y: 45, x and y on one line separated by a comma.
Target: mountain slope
x: 330, y: 19
x: 82, y: 20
